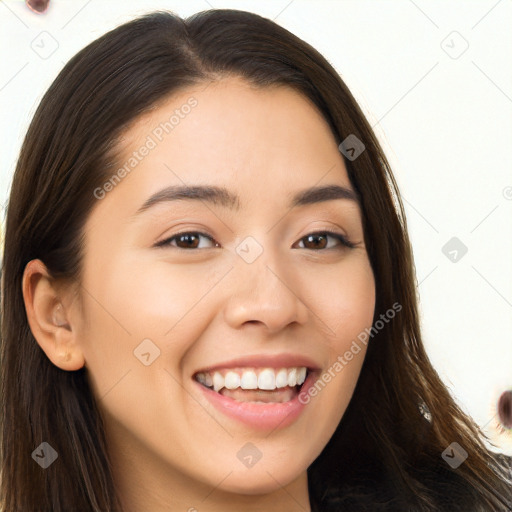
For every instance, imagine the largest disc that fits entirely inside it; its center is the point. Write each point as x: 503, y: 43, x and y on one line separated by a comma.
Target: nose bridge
x: 262, y: 291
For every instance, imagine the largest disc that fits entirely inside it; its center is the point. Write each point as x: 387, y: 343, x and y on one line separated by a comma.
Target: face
x: 233, y: 289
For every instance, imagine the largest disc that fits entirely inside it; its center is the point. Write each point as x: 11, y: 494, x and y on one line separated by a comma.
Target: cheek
x: 140, y: 312
x: 342, y: 298
x: 167, y: 302
x: 356, y: 300
x: 135, y: 300
x: 345, y: 309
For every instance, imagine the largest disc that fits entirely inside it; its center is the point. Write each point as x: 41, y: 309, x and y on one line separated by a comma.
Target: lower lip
x: 260, y: 416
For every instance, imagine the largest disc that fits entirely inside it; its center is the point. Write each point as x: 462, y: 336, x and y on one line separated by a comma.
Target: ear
x: 48, y: 318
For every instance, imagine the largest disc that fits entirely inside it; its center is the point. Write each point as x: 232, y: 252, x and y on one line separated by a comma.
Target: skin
x: 170, y: 449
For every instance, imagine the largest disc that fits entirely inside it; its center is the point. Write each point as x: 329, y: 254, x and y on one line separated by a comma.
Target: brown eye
x: 319, y: 240
x: 315, y: 241
x: 186, y: 240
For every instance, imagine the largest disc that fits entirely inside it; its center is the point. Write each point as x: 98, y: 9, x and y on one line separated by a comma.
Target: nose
x: 263, y: 293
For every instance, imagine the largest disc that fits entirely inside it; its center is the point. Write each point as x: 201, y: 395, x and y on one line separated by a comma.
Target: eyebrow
x: 223, y: 197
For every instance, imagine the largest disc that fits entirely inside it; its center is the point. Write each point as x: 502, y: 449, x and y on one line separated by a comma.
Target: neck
x: 144, y: 482
x: 172, y: 497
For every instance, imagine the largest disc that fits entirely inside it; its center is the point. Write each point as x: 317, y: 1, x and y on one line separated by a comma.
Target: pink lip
x: 265, y: 361
x: 260, y: 416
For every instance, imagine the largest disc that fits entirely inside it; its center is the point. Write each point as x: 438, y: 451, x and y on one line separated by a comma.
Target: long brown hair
x: 386, y: 451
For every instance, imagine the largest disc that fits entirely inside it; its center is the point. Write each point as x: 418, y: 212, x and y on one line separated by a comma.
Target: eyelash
x: 338, y: 236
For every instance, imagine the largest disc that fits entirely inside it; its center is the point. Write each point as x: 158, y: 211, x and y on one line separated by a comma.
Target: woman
x: 218, y: 310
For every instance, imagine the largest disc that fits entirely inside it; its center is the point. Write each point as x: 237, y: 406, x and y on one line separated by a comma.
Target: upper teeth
x: 267, y: 378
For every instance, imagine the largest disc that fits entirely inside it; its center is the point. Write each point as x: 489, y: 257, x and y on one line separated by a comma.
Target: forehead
x: 262, y: 143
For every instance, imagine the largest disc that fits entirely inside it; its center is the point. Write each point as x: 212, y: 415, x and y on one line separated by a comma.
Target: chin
x: 264, y: 481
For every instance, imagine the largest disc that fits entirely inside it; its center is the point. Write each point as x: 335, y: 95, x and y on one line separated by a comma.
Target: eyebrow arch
x: 223, y: 197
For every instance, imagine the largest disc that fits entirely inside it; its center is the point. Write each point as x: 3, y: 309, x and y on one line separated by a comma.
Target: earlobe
x: 48, y: 319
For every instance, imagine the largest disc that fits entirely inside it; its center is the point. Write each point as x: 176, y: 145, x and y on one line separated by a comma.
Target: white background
x: 442, y: 112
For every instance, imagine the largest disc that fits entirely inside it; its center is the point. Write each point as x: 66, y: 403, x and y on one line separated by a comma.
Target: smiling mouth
x: 256, y: 385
